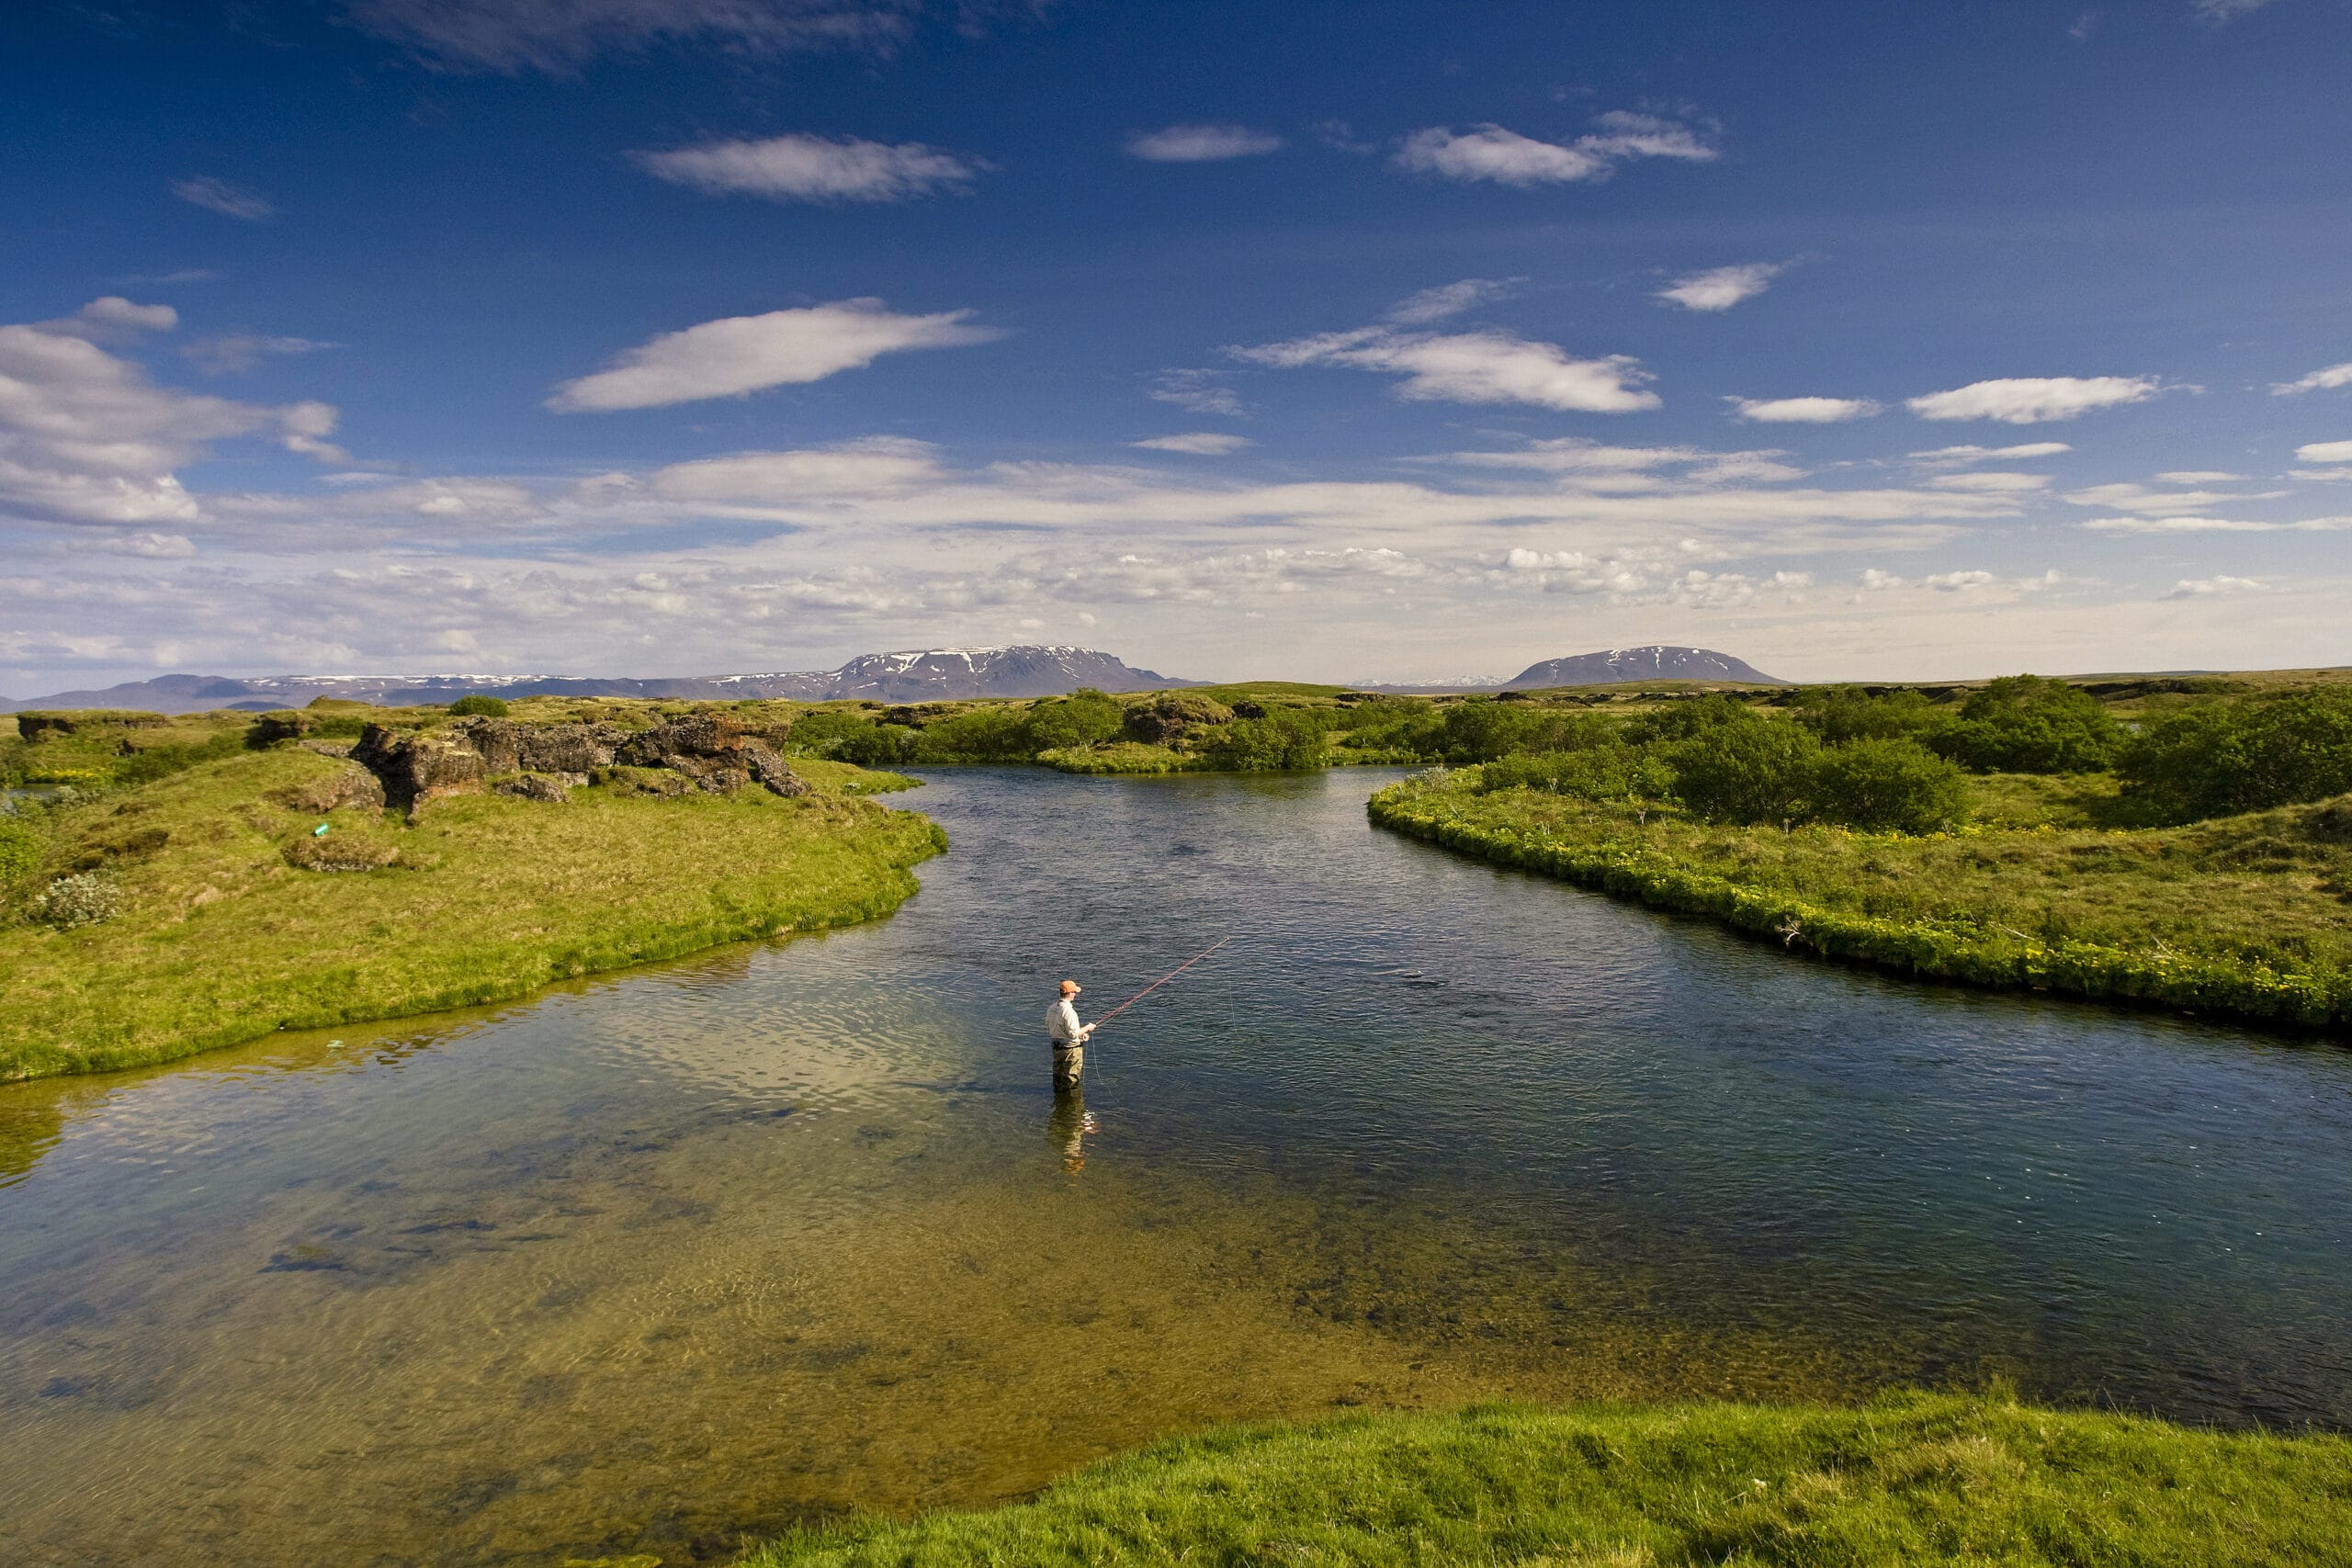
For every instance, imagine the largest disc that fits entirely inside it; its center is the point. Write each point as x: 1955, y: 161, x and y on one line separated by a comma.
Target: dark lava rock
x: 553, y: 788
x: 416, y: 768
x: 352, y: 786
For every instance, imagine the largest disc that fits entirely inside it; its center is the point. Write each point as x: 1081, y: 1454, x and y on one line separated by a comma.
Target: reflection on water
x: 650, y: 1263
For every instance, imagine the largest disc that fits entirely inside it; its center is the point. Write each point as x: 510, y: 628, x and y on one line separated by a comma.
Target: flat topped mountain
x: 913, y: 675
x: 1656, y: 663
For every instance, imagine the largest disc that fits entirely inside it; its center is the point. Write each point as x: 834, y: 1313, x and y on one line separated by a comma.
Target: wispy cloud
x: 1450, y: 300
x: 2324, y: 452
x: 227, y: 200
x: 1491, y: 153
x: 1472, y: 367
x: 2035, y: 400
x: 1803, y: 411
x: 234, y: 352
x: 1960, y: 457
x: 2156, y: 503
x: 747, y: 353
x: 1198, y: 391
x: 1719, y: 289
x: 2207, y: 587
x: 2221, y: 11
x: 813, y: 168
x: 1201, y: 143
x: 2214, y: 525
x: 85, y: 436
x: 1199, y: 444
x: 2334, y: 375
x: 560, y: 36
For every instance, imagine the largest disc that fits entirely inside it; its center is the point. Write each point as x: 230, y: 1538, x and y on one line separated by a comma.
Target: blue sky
x: 1370, y: 341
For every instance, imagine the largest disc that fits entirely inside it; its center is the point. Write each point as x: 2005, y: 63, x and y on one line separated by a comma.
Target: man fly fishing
x: 1070, y: 1036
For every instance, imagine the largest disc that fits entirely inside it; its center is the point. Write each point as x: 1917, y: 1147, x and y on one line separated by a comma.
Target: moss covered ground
x: 2249, y: 916
x: 1909, y: 1479
x: 480, y: 899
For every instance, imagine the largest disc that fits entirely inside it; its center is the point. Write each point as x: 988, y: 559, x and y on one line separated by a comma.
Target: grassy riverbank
x: 1910, y: 1478
x: 219, y: 938
x: 2242, y: 915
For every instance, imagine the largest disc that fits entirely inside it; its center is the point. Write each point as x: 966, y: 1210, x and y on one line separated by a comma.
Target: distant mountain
x: 1656, y: 663
x: 916, y: 675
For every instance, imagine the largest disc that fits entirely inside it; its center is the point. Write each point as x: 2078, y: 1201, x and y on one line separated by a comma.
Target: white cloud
x: 2035, y: 399
x: 2334, y: 375
x: 1472, y: 367
x: 2207, y: 587
x: 220, y: 196
x: 1589, y: 465
x: 2153, y: 502
x: 1803, y: 411
x: 1720, y: 288
x: 1992, y: 482
x: 746, y: 354
x: 2214, y: 525
x: 1449, y: 299
x: 147, y: 546
x: 2198, y: 476
x: 304, y: 428
x: 1201, y: 444
x: 2324, y: 452
x: 560, y: 36
x: 1198, y: 391
x: 236, y: 352
x: 111, y: 317
x: 1505, y: 157
x: 1201, y: 143
x: 1961, y: 456
x: 812, y: 168
x: 2221, y: 11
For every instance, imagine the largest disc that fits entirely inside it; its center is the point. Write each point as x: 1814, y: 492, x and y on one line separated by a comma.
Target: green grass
x: 489, y: 898
x: 1122, y: 757
x: 1910, y: 1478
x: 2249, y: 916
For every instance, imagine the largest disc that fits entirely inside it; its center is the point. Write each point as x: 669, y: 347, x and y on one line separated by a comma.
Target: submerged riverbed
x: 655, y: 1263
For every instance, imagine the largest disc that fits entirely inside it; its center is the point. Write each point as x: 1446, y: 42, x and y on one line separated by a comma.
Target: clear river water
x: 663, y: 1261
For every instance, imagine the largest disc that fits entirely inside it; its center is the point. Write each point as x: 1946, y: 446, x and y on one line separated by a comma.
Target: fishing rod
x: 1157, y: 983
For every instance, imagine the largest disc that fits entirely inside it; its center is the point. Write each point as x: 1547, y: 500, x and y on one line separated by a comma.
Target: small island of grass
x: 199, y: 882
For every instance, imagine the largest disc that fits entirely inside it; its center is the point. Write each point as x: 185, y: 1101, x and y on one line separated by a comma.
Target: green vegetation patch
x: 1908, y: 1479
x: 236, y: 918
x: 2248, y: 914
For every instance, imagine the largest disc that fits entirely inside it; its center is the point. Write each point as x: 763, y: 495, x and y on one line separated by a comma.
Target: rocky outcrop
x: 708, y: 751
x: 1170, y: 718
x: 415, y: 768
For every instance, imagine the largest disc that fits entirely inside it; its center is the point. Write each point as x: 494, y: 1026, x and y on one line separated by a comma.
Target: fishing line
x: 1161, y: 981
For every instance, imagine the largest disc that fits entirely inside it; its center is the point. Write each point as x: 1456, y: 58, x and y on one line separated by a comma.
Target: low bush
x: 2217, y: 759
x: 1610, y: 771
x: 2028, y: 724
x: 1887, y: 786
x: 1840, y: 714
x: 1751, y: 768
x: 82, y: 899
x: 1284, y: 739
x: 476, y: 702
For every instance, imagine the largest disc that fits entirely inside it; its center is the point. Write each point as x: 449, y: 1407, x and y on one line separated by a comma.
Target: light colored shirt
x: 1061, y: 1025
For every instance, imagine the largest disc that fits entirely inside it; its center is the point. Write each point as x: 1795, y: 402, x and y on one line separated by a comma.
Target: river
x: 666, y: 1260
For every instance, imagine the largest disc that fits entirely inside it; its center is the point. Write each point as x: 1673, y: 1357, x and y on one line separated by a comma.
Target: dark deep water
x: 653, y: 1263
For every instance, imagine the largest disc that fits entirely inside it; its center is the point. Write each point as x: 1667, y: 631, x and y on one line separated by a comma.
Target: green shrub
x: 1284, y: 739
x: 2027, y: 724
x: 2215, y: 759
x: 1750, y: 768
x: 478, y: 704
x: 21, y: 847
x: 878, y: 745
x: 1838, y: 714
x: 1610, y: 771
x: 1887, y: 786
x: 998, y: 733
x: 1483, y: 728
x: 162, y: 761
x: 1683, y: 720
x: 1085, y: 717
x: 80, y: 900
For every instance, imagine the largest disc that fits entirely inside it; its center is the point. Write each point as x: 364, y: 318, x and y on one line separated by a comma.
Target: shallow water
x: 657, y: 1263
